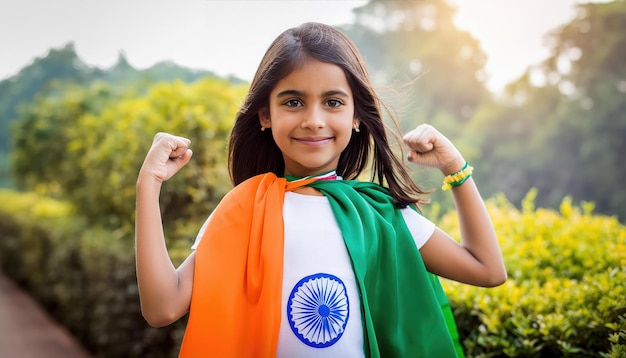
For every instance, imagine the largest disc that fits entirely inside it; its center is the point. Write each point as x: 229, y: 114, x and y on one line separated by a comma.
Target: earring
x: 356, y: 127
x: 262, y: 128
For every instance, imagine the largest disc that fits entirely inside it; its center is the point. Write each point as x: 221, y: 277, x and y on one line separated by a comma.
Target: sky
x: 230, y: 37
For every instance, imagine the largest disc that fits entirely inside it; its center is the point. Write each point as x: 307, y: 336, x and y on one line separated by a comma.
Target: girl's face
x: 311, y: 113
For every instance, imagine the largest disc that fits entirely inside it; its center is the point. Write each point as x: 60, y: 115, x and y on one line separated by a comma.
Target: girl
x: 300, y: 259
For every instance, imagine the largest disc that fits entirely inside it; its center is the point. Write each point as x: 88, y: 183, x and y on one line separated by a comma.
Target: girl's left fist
x: 430, y: 148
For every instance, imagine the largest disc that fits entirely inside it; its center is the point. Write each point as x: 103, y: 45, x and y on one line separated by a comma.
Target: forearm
x: 157, y: 277
x: 478, y: 236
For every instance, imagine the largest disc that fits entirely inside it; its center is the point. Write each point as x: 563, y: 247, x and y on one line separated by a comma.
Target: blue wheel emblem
x: 318, y: 310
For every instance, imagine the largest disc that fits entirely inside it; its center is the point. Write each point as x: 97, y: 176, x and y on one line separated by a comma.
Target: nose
x: 314, y: 118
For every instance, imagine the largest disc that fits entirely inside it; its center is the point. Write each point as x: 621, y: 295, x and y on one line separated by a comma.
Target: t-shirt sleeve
x: 420, y: 227
x: 201, y: 233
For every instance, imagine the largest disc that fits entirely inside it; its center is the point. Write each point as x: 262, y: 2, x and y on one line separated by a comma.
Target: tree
x: 91, y: 154
x: 590, y: 133
x: 416, y: 42
x: 427, y: 70
x: 63, y: 65
x: 43, y: 131
x: 561, y: 126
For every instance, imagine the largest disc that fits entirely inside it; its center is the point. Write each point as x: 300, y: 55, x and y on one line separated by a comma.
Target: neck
x: 307, y: 190
x: 329, y: 175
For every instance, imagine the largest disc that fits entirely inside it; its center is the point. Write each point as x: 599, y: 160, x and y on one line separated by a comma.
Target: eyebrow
x: 303, y: 94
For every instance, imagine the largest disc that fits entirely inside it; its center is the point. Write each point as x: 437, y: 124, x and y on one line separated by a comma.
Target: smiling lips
x: 314, y: 141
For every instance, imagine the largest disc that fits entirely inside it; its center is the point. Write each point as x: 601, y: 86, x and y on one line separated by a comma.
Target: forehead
x: 314, y: 77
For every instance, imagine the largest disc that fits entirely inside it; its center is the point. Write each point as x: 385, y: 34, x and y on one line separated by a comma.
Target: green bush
x: 566, y: 292
x: 86, y: 145
x: 85, y: 277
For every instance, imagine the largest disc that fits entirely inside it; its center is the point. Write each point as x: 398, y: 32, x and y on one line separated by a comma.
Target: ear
x: 264, y: 117
x: 356, y: 123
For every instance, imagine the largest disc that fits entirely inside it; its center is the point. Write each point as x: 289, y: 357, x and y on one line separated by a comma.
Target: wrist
x: 454, y: 167
x: 148, y: 181
x: 457, y: 178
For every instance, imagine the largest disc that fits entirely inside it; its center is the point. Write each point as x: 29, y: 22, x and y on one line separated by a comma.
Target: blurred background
x: 532, y: 92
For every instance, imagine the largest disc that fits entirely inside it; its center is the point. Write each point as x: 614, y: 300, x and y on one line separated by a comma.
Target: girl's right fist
x: 166, y: 156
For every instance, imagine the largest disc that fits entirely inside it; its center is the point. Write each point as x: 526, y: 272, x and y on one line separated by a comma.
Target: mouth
x: 314, y: 141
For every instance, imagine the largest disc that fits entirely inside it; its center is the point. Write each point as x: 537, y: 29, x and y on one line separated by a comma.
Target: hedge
x: 85, y: 277
x: 566, y: 291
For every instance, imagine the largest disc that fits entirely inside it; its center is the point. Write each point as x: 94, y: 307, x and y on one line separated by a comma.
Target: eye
x: 293, y: 103
x: 334, y: 103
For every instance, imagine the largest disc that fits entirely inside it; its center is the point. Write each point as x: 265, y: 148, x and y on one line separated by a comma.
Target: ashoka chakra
x: 318, y: 310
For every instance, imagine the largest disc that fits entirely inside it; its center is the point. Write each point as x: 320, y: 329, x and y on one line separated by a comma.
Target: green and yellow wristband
x: 458, y: 178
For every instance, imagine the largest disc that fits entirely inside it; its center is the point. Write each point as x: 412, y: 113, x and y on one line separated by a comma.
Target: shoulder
x: 254, y: 190
x: 251, y: 186
x: 371, y: 190
x: 256, y: 181
x: 420, y: 227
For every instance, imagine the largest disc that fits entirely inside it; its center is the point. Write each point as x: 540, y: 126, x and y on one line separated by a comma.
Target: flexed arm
x: 477, y: 260
x: 164, y: 291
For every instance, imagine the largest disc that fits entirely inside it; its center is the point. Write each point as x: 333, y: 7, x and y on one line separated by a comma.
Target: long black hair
x: 252, y: 151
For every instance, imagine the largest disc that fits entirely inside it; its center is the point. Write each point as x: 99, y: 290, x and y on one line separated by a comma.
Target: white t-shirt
x: 321, y: 313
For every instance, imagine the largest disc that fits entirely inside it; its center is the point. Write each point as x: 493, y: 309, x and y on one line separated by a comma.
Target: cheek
x: 347, y: 126
x: 346, y: 134
x: 280, y: 135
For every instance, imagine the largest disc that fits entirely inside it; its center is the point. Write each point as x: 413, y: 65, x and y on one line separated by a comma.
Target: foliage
x: 426, y: 70
x: 42, y: 133
x: 83, y: 275
x: 43, y: 76
x: 88, y: 148
x: 58, y: 64
x: 561, y: 126
x: 566, y: 111
x: 444, y: 80
x: 565, y: 292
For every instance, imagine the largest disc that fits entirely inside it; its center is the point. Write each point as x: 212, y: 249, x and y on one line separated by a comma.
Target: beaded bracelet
x: 458, y: 178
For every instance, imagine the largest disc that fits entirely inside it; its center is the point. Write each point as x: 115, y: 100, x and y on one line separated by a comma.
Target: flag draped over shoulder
x: 236, y: 301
